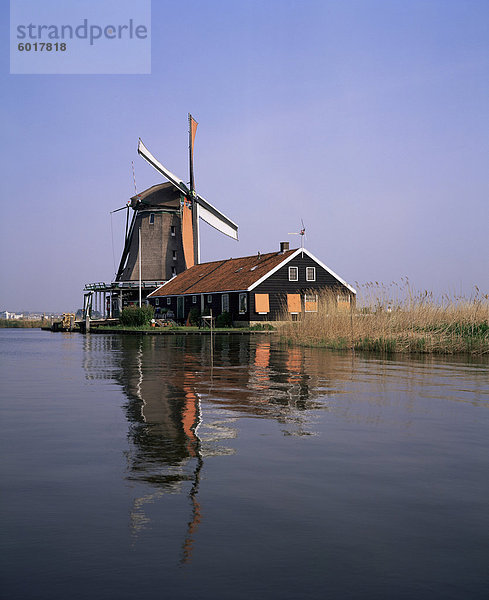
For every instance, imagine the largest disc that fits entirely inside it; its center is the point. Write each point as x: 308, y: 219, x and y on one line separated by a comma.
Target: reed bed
x: 391, y: 319
x: 22, y: 324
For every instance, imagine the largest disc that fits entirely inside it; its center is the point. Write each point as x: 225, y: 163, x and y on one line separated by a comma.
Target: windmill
x: 302, y: 233
x: 167, y: 218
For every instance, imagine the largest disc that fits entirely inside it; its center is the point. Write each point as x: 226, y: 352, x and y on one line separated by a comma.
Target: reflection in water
x: 319, y: 473
x: 182, y: 409
x: 166, y: 379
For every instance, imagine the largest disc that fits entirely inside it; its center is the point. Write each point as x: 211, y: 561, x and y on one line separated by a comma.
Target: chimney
x: 284, y: 246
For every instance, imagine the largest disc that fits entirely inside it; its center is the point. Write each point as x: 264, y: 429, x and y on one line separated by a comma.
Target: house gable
x: 288, y: 262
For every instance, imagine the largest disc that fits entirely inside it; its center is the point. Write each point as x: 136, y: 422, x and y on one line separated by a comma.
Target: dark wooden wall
x: 277, y: 286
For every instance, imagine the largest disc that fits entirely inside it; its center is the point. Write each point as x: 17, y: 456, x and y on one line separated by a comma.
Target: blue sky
x: 367, y: 119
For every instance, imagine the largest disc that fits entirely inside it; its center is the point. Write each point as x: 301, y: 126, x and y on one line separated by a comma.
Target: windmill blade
x: 118, y: 209
x: 127, y: 245
x: 148, y: 157
x: 216, y: 219
x: 127, y: 223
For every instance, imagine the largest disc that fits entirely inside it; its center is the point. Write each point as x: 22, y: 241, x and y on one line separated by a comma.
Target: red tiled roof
x: 222, y: 275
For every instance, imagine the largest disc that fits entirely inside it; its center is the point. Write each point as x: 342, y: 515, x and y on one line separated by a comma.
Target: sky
x: 368, y: 120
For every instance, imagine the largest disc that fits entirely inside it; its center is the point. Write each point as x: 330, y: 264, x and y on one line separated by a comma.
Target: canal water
x: 135, y: 467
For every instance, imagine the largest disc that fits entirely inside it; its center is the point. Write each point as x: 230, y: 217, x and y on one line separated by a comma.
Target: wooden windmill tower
x: 165, y: 224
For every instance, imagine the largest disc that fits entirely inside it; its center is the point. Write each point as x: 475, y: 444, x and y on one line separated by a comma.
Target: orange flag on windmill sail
x: 187, y: 235
x: 193, y: 129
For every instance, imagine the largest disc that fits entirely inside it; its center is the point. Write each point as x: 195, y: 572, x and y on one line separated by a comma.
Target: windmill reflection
x: 167, y: 380
x: 164, y: 414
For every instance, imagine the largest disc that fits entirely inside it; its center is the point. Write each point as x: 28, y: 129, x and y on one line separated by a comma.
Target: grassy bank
x: 22, y: 323
x: 184, y: 329
x: 396, y: 319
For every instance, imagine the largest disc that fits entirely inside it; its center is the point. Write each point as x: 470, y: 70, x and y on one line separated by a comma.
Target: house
x: 252, y: 289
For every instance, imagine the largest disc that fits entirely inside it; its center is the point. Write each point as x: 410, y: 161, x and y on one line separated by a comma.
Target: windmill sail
x: 127, y: 246
x: 146, y: 154
x: 206, y: 211
x: 216, y: 219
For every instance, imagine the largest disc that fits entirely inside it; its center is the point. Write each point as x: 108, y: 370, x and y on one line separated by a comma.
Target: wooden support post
x: 139, y: 264
x: 212, y: 347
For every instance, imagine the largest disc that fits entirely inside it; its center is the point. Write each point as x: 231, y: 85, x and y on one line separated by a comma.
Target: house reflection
x: 174, y: 395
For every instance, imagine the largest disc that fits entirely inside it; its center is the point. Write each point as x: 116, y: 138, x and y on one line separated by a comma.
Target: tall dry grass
x: 396, y: 318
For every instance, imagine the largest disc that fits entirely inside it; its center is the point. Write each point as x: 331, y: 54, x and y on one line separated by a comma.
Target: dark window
x: 194, y: 299
x: 152, y: 219
x: 173, y: 271
x: 168, y: 300
x: 225, y: 303
x: 310, y: 273
x: 209, y: 299
x: 172, y: 230
x: 293, y: 274
x: 174, y: 255
x: 243, y: 304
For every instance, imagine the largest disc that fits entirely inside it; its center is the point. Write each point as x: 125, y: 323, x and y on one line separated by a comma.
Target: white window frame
x: 174, y: 254
x: 313, y: 274
x: 194, y: 299
x: 225, y: 303
x: 344, y: 298
x: 292, y: 270
x: 151, y: 218
x: 172, y: 230
x: 168, y: 300
x: 209, y: 298
x: 157, y: 301
x: 244, y: 297
x: 173, y: 271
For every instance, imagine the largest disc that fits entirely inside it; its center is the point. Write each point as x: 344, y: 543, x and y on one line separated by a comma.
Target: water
x: 131, y: 466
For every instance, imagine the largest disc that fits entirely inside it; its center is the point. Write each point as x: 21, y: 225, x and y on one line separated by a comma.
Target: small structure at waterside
x: 252, y: 289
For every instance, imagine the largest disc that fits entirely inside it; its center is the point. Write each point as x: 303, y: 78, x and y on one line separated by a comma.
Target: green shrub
x: 133, y: 316
x: 194, y: 316
x: 224, y: 320
x: 262, y: 327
